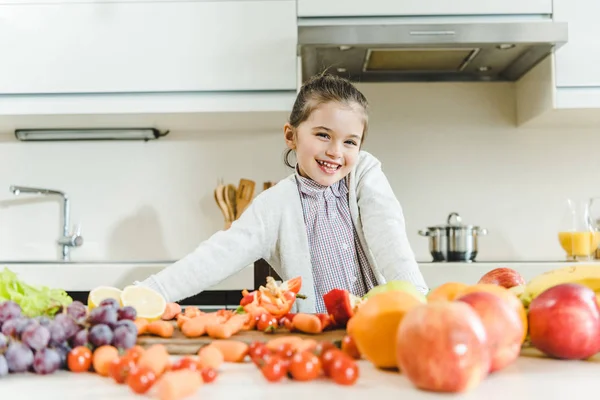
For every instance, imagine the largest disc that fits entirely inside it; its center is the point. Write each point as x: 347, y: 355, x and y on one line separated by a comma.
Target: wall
x: 445, y: 147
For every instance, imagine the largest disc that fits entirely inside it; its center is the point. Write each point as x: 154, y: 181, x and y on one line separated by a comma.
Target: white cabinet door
x: 148, y: 46
x: 347, y: 8
x: 578, y: 60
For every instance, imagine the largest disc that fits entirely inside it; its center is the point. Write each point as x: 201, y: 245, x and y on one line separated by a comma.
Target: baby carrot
x: 275, y: 343
x: 210, y: 357
x: 156, y: 358
x: 228, y: 328
x: 171, y: 311
x: 142, y: 325
x: 160, y: 328
x: 307, y: 323
x: 232, y: 350
x: 176, y: 385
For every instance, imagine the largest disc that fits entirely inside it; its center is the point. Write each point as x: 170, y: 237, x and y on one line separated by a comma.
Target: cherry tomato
x: 328, y: 357
x: 185, y: 363
x: 134, y: 353
x: 349, y: 347
x: 322, y: 347
x: 141, y: 379
x: 274, y: 369
x: 259, y: 353
x: 305, y: 366
x: 267, y: 323
x: 344, y: 371
x: 285, y: 350
x: 208, y: 374
x: 120, y: 368
x: 79, y: 359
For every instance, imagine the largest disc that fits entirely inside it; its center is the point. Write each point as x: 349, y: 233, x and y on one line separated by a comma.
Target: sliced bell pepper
x: 292, y: 285
x: 340, y: 305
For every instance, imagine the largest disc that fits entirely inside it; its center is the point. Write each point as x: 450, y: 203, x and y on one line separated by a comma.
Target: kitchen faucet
x: 67, y: 240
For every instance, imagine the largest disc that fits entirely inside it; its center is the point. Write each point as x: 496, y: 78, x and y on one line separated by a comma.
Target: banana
x: 587, y: 275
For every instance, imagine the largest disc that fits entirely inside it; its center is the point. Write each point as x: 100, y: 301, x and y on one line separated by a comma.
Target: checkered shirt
x: 337, y: 257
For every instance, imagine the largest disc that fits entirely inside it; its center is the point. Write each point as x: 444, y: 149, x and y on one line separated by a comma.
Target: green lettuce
x: 34, y: 300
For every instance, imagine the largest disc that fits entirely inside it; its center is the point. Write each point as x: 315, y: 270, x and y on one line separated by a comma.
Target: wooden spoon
x: 245, y: 193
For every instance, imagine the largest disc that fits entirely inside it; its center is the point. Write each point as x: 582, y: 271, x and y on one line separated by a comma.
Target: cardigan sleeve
x: 218, y: 257
x: 384, y: 228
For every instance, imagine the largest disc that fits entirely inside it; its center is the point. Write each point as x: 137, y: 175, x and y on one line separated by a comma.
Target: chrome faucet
x: 67, y: 240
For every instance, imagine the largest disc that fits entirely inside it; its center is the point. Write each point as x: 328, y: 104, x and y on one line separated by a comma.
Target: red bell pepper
x: 340, y: 305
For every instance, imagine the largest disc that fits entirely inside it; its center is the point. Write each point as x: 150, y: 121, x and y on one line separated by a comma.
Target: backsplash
x: 444, y: 147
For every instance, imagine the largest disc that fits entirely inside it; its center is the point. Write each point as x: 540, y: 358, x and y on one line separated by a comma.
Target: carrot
x: 196, y: 326
x: 210, y: 357
x: 171, y: 311
x: 142, y: 325
x: 227, y: 329
x: 307, y: 323
x: 160, y: 328
x: 275, y: 343
x: 232, y: 350
x: 191, y: 311
x: 176, y: 385
x: 304, y: 345
x: 181, y: 319
x: 156, y: 358
x: 102, y: 357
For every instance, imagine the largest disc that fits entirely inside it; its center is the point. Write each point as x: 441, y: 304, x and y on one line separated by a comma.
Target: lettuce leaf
x: 34, y: 300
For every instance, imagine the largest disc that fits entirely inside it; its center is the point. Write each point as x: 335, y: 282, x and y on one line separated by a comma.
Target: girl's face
x: 328, y: 142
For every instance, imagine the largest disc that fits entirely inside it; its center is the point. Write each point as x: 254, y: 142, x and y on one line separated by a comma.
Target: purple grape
x: 124, y: 338
x: 3, y: 366
x: 103, y: 315
x: 100, y: 335
x: 36, y: 336
x: 43, y: 320
x: 69, y: 325
x: 81, y: 338
x: 14, y: 327
x: 46, y: 361
x: 128, y: 324
x: 63, y: 351
x: 3, y: 343
x: 77, y: 310
x: 9, y: 310
x: 19, y: 357
x: 57, y: 333
x: 127, y: 312
x: 110, y: 302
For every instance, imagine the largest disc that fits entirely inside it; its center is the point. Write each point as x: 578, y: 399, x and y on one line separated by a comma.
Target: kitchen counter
x: 527, y: 378
x: 82, y: 276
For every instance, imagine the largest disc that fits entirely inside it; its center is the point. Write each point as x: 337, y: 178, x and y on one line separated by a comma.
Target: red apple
x: 502, y: 324
x: 564, y: 322
x: 442, y: 347
x: 506, y: 277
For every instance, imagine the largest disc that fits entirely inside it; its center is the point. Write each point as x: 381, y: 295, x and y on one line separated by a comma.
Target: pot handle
x: 423, y: 233
x: 482, y: 231
x: 457, y: 218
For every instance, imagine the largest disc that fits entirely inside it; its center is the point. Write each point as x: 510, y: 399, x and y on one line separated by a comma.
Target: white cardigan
x: 273, y: 228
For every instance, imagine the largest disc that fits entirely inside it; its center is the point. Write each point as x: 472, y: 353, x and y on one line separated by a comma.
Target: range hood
x: 396, y: 51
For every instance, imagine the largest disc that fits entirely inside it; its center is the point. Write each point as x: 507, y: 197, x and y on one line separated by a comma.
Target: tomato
x: 274, y: 369
x: 328, y: 357
x: 286, y: 321
x: 208, y: 374
x: 141, y: 379
x: 349, y: 347
x: 322, y: 347
x: 285, y: 350
x: 267, y: 323
x: 135, y: 353
x: 185, y: 363
x: 344, y: 371
x: 305, y: 366
x: 79, y: 359
x: 120, y: 368
x: 258, y: 351
x: 247, y: 299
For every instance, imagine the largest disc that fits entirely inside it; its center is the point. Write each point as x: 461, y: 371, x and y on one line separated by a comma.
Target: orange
x: 446, y: 292
x: 506, y: 295
x: 373, y: 328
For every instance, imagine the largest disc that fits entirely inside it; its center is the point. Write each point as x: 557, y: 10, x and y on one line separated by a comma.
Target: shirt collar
x: 312, y: 188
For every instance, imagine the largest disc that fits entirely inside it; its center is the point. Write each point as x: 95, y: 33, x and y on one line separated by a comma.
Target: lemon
x: 148, y: 303
x: 103, y: 292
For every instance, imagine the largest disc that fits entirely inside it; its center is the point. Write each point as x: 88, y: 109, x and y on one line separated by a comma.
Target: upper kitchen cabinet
x: 375, y: 8
x: 564, y: 89
x: 147, y: 46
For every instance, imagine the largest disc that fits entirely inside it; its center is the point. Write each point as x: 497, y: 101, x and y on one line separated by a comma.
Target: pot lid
x: 454, y: 221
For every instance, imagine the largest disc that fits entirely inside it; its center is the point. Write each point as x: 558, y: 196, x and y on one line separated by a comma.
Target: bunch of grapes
x: 41, y: 344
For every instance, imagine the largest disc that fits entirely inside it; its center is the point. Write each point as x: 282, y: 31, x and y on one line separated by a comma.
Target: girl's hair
x: 321, y: 89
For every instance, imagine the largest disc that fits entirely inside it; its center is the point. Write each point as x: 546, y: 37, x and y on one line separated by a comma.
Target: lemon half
x: 148, y: 303
x: 103, y: 292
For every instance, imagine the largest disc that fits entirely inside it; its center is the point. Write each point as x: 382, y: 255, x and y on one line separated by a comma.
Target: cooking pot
x: 454, y: 241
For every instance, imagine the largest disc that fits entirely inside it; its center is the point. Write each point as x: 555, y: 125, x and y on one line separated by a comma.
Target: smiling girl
x: 335, y: 221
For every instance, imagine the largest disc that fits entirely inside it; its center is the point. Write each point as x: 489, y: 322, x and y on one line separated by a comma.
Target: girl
x: 335, y: 222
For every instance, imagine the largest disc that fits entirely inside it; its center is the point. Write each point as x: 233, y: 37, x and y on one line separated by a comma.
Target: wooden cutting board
x: 178, y: 344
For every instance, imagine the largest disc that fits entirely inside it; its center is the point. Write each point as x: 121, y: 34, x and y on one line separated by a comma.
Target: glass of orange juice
x: 578, y: 235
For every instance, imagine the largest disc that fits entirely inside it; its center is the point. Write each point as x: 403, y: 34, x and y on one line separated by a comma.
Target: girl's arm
x: 218, y: 257
x: 384, y: 228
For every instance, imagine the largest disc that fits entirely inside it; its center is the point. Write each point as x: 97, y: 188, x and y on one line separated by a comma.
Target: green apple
x: 404, y: 286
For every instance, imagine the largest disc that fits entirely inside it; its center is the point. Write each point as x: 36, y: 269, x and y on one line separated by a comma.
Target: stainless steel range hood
x: 396, y: 51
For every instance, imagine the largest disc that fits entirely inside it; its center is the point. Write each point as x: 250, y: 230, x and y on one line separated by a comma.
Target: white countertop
x: 528, y: 378
x: 84, y: 276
